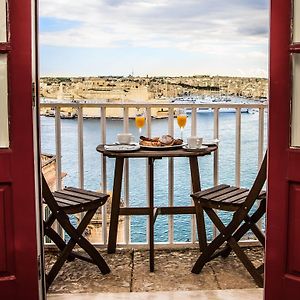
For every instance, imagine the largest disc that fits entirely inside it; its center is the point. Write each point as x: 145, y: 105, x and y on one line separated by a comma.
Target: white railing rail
x: 103, y: 106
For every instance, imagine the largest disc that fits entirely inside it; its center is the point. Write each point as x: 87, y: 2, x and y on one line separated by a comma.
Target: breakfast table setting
x: 151, y: 149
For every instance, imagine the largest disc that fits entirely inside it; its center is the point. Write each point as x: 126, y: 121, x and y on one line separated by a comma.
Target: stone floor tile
x: 82, y: 277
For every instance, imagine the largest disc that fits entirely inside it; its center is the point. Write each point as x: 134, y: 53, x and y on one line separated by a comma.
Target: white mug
x: 125, y: 138
x: 194, y: 142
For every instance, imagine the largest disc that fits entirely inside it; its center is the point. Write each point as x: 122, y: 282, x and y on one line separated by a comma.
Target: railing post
x: 193, y: 217
x: 260, y: 145
x: 58, y: 147
x: 238, y: 148
x: 58, y: 159
x: 260, y: 136
x: 80, y: 148
x: 148, y: 130
x: 171, y: 178
x: 194, y: 122
x: 104, y: 174
x: 126, y: 179
x: 216, y: 158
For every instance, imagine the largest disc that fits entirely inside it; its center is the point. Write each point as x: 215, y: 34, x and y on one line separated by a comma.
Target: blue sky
x: 155, y: 37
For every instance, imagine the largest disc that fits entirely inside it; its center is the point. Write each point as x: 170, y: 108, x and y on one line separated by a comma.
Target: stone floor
x: 130, y: 273
x: 236, y: 294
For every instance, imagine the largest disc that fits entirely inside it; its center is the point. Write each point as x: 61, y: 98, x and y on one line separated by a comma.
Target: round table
x: 151, y: 210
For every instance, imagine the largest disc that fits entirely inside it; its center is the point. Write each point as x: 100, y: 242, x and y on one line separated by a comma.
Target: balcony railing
x: 258, y: 108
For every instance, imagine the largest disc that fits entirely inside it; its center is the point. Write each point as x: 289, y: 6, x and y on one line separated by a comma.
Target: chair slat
x: 237, y: 197
x: 85, y: 192
x: 75, y: 199
x: 220, y: 193
x: 66, y: 202
x: 228, y: 196
x: 62, y: 204
x: 209, y: 191
x: 240, y: 201
x: 79, y: 195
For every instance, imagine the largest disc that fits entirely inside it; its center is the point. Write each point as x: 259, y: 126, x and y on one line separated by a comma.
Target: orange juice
x: 181, y: 120
x: 139, y: 121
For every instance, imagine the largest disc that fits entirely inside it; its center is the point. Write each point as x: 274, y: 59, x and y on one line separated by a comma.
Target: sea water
x: 137, y: 167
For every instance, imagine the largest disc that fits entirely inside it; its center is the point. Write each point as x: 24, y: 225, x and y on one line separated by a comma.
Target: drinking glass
x: 140, y: 119
x: 181, y: 119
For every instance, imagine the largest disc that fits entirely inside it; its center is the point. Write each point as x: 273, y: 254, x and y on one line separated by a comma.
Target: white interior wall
x: 295, y: 130
x: 4, y: 138
x: 296, y: 28
x: 2, y: 21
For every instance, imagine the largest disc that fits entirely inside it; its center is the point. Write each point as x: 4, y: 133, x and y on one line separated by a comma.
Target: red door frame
x: 19, y: 268
x: 283, y: 211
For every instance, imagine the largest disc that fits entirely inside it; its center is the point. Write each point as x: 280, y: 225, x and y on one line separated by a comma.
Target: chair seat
x: 224, y: 197
x: 75, y: 200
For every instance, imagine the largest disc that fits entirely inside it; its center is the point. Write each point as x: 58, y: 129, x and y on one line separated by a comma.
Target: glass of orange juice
x: 140, y: 119
x: 181, y: 119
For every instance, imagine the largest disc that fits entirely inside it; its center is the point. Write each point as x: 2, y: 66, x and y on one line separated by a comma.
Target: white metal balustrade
x: 103, y: 106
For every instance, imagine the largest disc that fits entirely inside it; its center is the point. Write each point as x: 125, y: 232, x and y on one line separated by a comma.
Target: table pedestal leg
x: 115, y: 206
x: 151, y: 215
x: 195, y: 176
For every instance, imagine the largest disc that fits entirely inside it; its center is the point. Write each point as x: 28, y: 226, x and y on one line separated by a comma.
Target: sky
x: 154, y: 37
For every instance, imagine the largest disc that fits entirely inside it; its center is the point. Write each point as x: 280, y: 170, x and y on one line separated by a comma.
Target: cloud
x: 190, y: 25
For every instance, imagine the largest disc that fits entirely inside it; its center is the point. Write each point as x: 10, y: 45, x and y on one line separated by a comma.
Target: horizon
x: 159, y: 38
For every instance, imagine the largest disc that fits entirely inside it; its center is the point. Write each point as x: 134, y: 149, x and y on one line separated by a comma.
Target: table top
x: 158, y: 153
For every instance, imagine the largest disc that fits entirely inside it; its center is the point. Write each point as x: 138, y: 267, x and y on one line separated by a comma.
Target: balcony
x: 242, y: 139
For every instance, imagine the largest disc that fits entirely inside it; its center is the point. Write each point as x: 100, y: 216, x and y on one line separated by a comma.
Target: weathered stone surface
x: 82, y: 277
x: 231, y: 273
x: 172, y: 272
x: 130, y: 272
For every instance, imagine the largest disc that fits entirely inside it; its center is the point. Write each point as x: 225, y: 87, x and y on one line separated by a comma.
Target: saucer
x: 187, y: 148
x: 212, y: 142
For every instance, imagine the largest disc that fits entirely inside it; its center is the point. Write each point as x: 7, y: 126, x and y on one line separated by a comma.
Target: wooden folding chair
x: 240, y: 201
x: 71, y: 201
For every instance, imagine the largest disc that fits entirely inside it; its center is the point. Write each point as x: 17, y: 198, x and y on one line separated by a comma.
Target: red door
x: 283, y: 211
x: 18, y: 238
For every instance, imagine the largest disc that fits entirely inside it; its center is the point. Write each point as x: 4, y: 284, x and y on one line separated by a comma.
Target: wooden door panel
x: 19, y: 276
x: 293, y: 250
x: 6, y: 232
x: 282, y: 275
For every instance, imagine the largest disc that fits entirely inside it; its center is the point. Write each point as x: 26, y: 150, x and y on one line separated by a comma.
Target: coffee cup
x: 125, y: 138
x: 194, y: 142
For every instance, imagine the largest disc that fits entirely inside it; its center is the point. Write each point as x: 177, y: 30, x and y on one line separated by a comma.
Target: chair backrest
x: 258, y: 184
x: 48, y: 196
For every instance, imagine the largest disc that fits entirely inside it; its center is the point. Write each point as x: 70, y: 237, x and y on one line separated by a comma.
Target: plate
x: 210, y: 142
x: 187, y: 148
x: 122, y: 147
x: 161, y: 147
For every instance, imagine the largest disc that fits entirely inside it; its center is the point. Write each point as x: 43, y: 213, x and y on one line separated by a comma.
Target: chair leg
x: 56, y: 239
x: 211, y: 248
x: 76, y: 237
x: 207, y: 253
x: 237, y: 249
x: 76, y: 234
x: 246, y: 262
x: 250, y: 224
